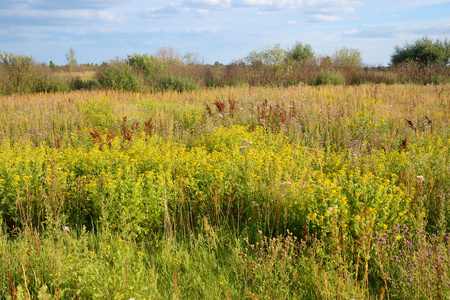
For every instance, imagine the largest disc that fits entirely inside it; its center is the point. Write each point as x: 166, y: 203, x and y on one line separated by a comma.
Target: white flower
x: 420, y: 178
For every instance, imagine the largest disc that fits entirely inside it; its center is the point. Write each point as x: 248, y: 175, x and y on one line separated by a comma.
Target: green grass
x: 240, y: 193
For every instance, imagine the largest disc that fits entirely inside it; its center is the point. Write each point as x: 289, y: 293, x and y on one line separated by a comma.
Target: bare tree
x: 167, y: 53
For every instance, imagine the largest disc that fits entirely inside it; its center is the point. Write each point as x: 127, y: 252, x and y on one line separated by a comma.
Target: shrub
x: 17, y: 73
x: 328, y: 77
x: 52, y: 65
x: 80, y: 84
x: 60, y: 84
x: 143, y: 62
x: 170, y: 82
x: 213, y: 77
x: 120, y: 76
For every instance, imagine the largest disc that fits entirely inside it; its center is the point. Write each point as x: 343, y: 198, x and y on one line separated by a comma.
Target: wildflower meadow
x: 300, y: 192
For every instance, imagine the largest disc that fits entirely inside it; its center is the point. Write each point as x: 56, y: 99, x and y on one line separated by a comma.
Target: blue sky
x: 218, y: 30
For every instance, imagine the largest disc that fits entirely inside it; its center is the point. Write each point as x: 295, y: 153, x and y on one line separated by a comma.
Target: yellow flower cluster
x: 132, y: 183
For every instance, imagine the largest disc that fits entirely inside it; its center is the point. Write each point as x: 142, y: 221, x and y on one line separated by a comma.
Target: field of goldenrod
x: 300, y: 192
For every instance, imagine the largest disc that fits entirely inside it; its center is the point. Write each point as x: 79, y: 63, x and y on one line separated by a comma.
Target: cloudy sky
x: 219, y: 30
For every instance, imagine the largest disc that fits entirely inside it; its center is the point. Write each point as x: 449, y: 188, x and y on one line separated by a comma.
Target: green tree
x: 347, y: 58
x: 269, y: 56
x: 300, y: 52
x: 423, y: 51
x: 52, y: 65
x: 71, y: 58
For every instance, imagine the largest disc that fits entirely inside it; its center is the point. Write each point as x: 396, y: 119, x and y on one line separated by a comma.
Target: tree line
x: 425, y: 61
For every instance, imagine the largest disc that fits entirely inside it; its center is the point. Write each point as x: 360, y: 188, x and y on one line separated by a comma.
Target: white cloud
x: 209, y: 3
x: 77, y: 13
x: 61, y: 4
x: 323, y: 18
x: 58, y: 14
x: 331, y: 6
x: 292, y: 23
x: 34, y: 35
x: 398, y: 31
x: 202, y: 12
x: 198, y: 30
x: 159, y: 30
x: 385, y: 31
x: 330, y: 10
x: 269, y: 4
x: 109, y: 16
x: 262, y: 4
x: 325, y: 10
x: 350, y: 32
x: 259, y: 2
x: 172, y: 9
x: 420, y: 3
x: 440, y: 29
x: 63, y: 17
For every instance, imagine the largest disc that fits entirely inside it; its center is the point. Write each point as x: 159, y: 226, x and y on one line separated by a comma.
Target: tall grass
x: 257, y: 192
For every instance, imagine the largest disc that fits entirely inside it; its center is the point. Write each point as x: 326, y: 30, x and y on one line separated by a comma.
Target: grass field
x: 328, y: 192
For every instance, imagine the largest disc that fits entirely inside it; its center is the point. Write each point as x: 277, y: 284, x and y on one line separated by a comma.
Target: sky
x: 215, y: 30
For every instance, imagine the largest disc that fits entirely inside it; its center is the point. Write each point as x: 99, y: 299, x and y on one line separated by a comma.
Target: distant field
x: 233, y: 193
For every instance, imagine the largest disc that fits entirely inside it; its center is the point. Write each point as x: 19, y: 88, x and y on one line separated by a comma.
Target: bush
x: 80, y: 84
x: 328, y: 77
x: 213, y: 78
x: 61, y: 85
x: 52, y: 65
x: 414, y: 72
x: 120, y: 76
x: 143, y: 62
x: 170, y: 82
x: 17, y: 74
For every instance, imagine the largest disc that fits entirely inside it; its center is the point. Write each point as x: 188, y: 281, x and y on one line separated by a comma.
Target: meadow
x: 300, y: 192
